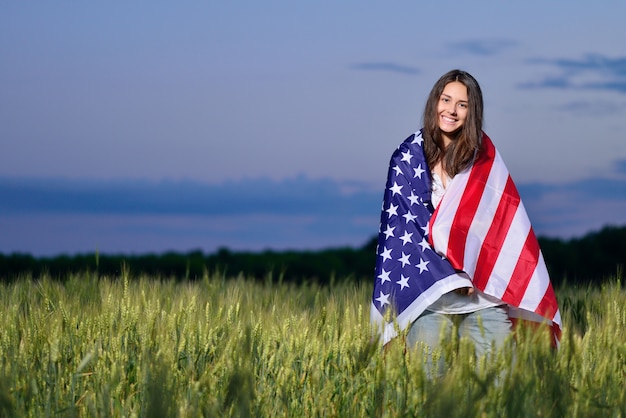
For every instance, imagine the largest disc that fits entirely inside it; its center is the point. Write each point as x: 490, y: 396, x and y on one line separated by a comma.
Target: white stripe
x: 537, y: 287
x: 447, y: 211
x: 512, y: 245
x: 485, y: 212
x: 509, y: 254
x: 487, y: 207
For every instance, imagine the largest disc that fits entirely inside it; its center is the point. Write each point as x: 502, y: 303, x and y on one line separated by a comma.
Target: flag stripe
x: 495, y: 243
x: 524, y: 270
x: 481, y: 224
x: 548, y: 307
x: 498, y: 231
x: 512, y: 247
x: 470, y: 201
x: 536, y: 289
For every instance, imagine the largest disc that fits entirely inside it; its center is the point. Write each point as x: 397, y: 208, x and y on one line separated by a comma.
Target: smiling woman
x: 454, y: 102
x: 457, y: 256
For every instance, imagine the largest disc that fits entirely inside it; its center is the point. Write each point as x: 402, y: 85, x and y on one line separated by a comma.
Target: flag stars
x: 422, y: 265
x: 393, y: 210
x: 417, y: 139
x: 413, y: 198
x: 417, y: 172
x: 405, y: 259
x: 384, y: 276
x: 386, y: 254
x: 406, y: 238
x: 395, y: 189
x: 389, y: 231
x: 383, y: 299
x: 406, y: 156
x: 424, y: 244
x: 409, y: 217
x: 403, y: 282
x: 397, y: 169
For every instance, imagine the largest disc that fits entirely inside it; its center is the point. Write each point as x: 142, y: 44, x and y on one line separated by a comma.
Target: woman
x: 456, y: 252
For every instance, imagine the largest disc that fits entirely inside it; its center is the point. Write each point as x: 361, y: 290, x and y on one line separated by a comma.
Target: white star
x: 386, y: 254
x: 389, y: 231
x: 405, y: 259
x: 417, y: 139
x: 406, y: 156
x: 413, y: 198
x: 403, y: 282
x: 406, y: 238
x: 422, y: 265
x: 425, y: 229
x: 424, y: 244
x: 393, y: 210
x: 418, y: 171
x: 397, y: 169
x: 395, y: 189
x: 384, y: 276
x: 409, y: 217
x: 383, y: 299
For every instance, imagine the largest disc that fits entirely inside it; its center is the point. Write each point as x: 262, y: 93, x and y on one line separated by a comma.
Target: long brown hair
x: 460, y: 153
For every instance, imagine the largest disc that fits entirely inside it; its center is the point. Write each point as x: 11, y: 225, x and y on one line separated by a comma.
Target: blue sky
x: 157, y: 126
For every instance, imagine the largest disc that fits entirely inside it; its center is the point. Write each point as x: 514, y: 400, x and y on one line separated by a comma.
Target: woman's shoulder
x: 412, y: 142
x: 409, y: 156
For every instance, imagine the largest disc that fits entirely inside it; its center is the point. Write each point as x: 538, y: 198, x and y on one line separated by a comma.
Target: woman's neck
x: 446, y: 141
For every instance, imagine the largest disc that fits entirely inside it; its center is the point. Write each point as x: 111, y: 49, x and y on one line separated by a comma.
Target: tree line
x: 593, y: 258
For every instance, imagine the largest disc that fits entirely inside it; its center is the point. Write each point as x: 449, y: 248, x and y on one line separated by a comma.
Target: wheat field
x: 91, y: 346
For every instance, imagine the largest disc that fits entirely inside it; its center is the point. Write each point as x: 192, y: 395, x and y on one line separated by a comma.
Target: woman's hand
x: 465, y: 291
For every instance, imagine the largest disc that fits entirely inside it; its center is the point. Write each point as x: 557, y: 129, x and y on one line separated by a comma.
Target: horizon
x: 183, y: 216
x: 258, y: 251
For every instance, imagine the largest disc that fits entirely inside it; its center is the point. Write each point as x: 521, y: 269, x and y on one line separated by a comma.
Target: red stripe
x: 555, y: 330
x: 548, y: 305
x: 523, y: 272
x: 498, y: 230
x: 556, y: 334
x: 548, y: 308
x: 469, y: 203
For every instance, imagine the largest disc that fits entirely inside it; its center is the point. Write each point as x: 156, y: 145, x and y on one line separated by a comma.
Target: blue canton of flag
x: 406, y: 265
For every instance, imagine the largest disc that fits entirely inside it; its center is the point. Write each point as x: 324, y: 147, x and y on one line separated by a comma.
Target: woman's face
x: 452, y: 109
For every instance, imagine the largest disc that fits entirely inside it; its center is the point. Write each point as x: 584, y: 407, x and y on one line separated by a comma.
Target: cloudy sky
x: 146, y: 126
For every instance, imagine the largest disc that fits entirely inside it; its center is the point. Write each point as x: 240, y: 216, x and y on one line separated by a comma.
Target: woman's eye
x: 463, y: 105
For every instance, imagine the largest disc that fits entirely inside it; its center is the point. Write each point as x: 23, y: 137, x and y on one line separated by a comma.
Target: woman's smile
x: 452, y: 109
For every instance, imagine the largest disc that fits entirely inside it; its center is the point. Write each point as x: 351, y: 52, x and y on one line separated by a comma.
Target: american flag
x: 480, y: 227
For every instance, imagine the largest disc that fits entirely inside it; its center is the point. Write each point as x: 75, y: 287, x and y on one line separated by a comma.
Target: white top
x: 452, y: 302
x: 438, y: 189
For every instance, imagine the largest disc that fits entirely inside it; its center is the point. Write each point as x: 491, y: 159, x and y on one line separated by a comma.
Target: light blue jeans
x: 487, y: 328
